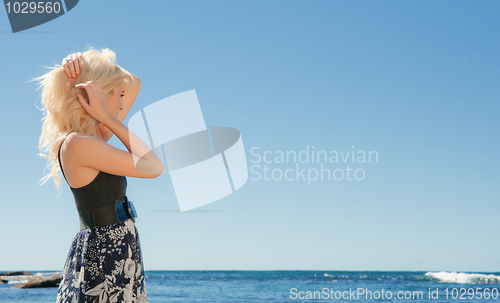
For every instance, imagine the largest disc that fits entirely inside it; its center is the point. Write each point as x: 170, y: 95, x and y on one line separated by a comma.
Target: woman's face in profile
x: 114, y: 100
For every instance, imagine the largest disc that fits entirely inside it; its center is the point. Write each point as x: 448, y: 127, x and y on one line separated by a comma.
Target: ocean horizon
x: 295, y: 285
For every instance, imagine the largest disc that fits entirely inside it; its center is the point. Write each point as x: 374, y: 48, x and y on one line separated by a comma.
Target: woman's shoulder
x: 82, y: 147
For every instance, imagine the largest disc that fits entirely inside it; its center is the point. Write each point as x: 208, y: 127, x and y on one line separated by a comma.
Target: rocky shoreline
x: 22, y: 279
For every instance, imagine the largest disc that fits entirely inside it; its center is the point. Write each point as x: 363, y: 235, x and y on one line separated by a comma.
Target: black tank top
x: 96, y: 201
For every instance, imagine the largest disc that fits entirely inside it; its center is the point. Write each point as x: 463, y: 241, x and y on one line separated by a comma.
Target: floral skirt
x: 104, y: 264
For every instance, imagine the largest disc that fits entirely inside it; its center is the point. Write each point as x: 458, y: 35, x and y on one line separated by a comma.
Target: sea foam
x: 461, y: 277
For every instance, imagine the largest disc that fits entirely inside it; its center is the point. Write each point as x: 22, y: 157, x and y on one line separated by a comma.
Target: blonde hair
x: 63, y: 113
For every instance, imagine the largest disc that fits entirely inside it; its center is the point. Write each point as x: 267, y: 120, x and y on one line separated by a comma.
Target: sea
x: 298, y: 286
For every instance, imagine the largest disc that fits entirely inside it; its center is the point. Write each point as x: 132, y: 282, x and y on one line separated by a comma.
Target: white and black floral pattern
x: 104, y: 264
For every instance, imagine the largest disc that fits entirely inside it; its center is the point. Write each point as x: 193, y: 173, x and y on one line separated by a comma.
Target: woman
x: 85, y: 102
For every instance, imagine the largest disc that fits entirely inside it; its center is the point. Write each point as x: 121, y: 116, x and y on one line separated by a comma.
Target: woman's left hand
x: 72, y: 65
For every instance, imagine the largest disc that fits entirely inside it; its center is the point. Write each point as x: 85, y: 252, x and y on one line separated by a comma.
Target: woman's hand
x: 96, y: 106
x: 72, y: 65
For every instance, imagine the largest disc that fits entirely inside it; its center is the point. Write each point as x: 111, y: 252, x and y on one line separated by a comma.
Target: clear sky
x: 416, y: 82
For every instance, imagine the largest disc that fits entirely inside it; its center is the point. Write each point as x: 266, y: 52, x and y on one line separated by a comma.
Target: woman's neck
x: 96, y: 131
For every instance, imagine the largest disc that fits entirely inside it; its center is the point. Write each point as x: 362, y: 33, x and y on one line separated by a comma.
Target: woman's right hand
x: 96, y: 105
x: 72, y: 65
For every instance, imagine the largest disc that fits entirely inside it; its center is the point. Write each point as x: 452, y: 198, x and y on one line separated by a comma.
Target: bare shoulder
x: 72, y: 149
x: 82, y: 145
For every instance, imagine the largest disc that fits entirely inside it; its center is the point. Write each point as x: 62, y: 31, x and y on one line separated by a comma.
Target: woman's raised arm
x: 131, y: 93
x: 140, y: 161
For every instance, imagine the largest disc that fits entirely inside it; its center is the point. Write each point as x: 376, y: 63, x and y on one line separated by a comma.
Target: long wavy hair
x: 63, y: 113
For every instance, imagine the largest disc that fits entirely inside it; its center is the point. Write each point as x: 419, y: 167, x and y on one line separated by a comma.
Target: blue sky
x: 417, y: 82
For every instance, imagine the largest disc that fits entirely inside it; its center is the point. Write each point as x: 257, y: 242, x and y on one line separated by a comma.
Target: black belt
x: 108, y: 214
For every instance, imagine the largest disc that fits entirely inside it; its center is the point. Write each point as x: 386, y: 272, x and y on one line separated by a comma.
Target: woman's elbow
x: 137, y: 83
x: 159, y: 169
x: 156, y: 169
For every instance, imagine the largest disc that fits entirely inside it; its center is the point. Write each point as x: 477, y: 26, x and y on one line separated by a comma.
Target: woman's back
x: 103, y: 189
x: 96, y: 201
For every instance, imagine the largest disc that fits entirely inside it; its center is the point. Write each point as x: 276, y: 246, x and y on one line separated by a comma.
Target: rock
x: 16, y: 273
x: 3, y: 281
x: 39, y: 282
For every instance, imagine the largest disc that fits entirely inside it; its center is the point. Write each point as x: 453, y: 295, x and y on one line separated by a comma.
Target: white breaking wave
x: 461, y: 277
x: 17, y: 281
